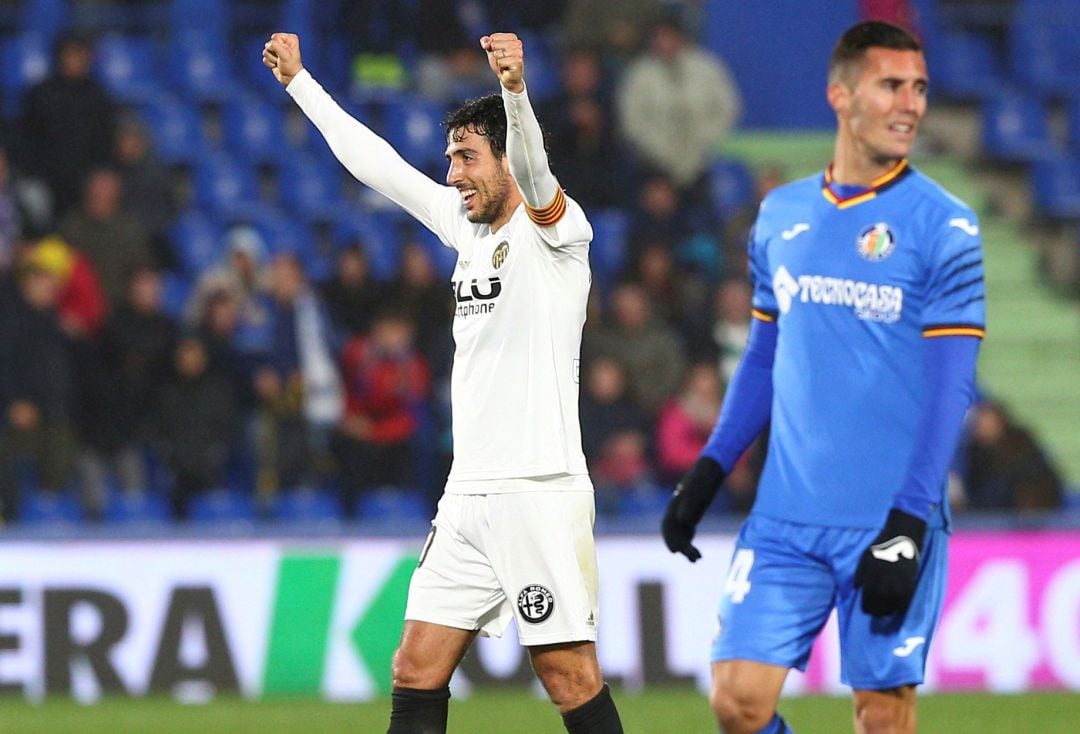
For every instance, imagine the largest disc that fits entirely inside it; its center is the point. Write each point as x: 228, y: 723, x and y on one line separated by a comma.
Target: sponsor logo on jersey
x: 869, y: 301
x: 909, y: 646
x: 476, y: 296
x: 876, y: 242
x: 535, y: 603
x: 499, y: 256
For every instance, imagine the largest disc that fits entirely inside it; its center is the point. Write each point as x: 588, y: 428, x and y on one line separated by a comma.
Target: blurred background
x: 211, y: 334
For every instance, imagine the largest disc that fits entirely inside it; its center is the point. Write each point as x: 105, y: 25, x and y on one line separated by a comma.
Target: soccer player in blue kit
x: 868, y: 315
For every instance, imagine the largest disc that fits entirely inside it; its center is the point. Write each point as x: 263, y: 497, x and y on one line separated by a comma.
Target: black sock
x: 414, y: 711
x: 597, y: 716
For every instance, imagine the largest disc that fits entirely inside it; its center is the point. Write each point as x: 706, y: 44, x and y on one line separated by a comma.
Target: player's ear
x: 839, y: 96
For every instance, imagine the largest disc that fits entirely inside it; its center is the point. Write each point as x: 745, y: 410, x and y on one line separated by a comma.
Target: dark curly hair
x: 484, y: 116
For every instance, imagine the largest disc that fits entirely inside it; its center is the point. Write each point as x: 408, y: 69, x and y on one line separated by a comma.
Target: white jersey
x: 521, y: 295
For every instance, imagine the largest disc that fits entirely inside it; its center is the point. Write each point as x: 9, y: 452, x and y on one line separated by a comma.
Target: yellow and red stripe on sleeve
x: 955, y: 330
x: 550, y: 214
x: 763, y: 315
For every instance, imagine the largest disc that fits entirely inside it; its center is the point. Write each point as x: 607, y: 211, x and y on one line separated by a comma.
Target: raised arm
x: 524, y: 139
x: 369, y: 158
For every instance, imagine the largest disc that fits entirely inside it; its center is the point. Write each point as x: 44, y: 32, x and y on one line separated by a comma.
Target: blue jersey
x: 856, y: 285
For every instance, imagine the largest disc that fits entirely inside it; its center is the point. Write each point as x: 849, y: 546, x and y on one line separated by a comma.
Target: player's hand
x: 506, y: 57
x: 281, y: 54
x: 693, y: 495
x: 889, y: 568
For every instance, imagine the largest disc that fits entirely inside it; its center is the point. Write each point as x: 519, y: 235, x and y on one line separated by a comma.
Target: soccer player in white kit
x: 513, y: 535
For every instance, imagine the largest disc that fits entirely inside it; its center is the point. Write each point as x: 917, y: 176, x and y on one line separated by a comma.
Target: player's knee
x: 569, y: 686
x: 408, y: 671
x: 738, y: 708
x: 884, y: 715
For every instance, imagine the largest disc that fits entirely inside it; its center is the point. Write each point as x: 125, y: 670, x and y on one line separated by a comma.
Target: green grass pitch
x: 657, y: 712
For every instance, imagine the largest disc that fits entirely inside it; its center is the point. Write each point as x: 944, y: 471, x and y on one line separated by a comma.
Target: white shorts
x: 527, y: 555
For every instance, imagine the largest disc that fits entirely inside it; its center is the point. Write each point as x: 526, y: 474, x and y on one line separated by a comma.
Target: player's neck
x: 854, y: 168
x: 513, y: 200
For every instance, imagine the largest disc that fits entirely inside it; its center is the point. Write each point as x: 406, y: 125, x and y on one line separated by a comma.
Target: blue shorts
x: 785, y: 579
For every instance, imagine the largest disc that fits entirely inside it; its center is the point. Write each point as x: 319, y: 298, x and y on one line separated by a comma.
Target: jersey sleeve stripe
x: 550, y: 214
x: 961, y: 268
x: 973, y: 299
x: 962, y: 286
x: 959, y: 255
x: 765, y: 316
x: 954, y: 330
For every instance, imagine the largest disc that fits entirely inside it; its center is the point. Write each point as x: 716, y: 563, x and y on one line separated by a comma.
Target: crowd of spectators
x: 267, y: 380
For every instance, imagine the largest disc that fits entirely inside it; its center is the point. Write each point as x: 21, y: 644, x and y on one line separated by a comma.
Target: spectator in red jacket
x: 687, y: 420
x: 81, y: 306
x: 386, y: 380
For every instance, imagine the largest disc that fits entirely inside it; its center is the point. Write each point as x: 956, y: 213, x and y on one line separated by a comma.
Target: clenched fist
x: 281, y: 54
x: 506, y: 57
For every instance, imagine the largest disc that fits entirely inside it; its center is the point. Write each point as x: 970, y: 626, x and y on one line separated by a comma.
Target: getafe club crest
x: 876, y: 242
x: 499, y: 256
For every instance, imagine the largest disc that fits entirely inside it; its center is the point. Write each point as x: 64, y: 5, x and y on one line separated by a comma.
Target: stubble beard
x: 495, y: 204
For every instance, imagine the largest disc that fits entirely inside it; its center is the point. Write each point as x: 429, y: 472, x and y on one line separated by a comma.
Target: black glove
x: 692, y: 497
x: 889, y: 569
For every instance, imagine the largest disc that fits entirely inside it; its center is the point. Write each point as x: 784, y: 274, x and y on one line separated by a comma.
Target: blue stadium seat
x: 306, y: 504
x: 1015, y: 128
x: 128, y: 67
x: 210, y: 17
x: 544, y: 79
x: 646, y: 501
x: 45, y: 17
x: 377, y: 232
x: 731, y: 186
x: 50, y: 508
x: 253, y: 129
x: 283, y: 233
x: 1044, y: 47
x: 196, y: 241
x: 1055, y: 185
x: 176, y: 290
x: 444, y: 258
x: 964, y: 65
x: 1072, y: 124
x: 414, y: 127
x: 146, y: 507
x: 607, y: 254
x: 175, y: 128
x: 386, y: 504
x: 137, y: 17
x: 225, y: 185
x: 222, y: 506
x: 313, y: 185
x: 201, y: 68
x: 27, y: 58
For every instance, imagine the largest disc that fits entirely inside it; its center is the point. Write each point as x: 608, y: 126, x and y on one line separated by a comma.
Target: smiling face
x: 879, y: 103
x: 483, y: 179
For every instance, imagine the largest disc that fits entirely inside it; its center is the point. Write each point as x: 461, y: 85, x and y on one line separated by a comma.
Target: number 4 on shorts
x: 737, y: 585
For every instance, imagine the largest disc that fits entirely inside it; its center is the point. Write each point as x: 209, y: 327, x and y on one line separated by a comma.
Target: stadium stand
x: 241, y: 154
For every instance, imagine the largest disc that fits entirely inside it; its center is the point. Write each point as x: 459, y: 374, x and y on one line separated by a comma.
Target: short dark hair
x: 853, y: 44
x: 484, y: 116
